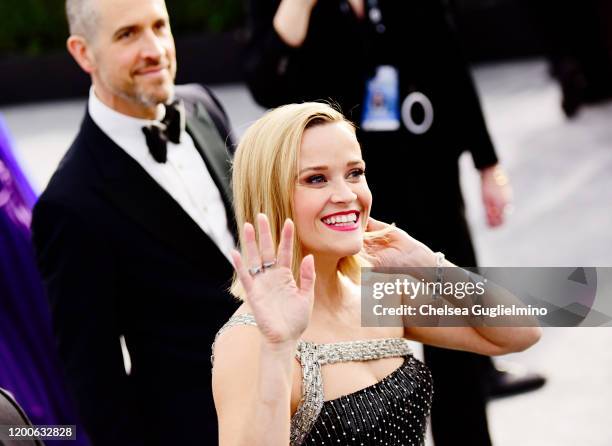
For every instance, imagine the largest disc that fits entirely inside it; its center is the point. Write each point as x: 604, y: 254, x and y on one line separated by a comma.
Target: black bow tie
x: 168, y: 129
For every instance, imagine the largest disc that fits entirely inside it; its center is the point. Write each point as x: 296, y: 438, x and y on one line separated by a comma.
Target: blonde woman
x: 294, y: 365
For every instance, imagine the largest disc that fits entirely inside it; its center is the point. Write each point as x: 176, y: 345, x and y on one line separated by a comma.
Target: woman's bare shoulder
x: 233, y: 337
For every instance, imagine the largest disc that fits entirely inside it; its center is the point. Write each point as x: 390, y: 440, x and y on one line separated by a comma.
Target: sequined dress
x: 392, y: 412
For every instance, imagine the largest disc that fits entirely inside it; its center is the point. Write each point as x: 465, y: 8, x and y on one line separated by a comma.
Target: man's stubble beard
x: 137, y: 93
x: 150, y: 99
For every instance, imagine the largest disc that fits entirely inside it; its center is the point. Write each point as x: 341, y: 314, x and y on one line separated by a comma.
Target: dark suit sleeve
x: 474, y: 133
x: 267, y: 56
x: 78, y: 268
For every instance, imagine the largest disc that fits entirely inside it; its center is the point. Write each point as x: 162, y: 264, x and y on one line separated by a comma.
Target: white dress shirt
x: 184, y: 175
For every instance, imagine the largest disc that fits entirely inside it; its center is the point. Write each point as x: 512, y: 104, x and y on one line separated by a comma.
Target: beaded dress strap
x: 311, y: 357
x: 237, y: 319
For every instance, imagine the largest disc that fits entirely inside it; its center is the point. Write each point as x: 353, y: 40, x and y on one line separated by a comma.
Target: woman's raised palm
x: 281, y: 308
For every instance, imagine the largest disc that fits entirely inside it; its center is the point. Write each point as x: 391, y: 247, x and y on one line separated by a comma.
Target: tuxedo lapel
x: 212, y: 148
x: 134, y: 193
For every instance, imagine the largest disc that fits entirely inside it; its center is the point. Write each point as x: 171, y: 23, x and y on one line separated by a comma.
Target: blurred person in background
x: 29, y: 367
x: 578, y: 39
x: 134, y: 232
x: 395, y: 69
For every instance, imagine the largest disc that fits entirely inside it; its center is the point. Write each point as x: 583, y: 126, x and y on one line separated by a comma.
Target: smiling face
x: 332, y: 200
x: 133, y: 56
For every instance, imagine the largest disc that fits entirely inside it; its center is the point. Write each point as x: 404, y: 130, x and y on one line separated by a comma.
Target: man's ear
x: 81, y: 52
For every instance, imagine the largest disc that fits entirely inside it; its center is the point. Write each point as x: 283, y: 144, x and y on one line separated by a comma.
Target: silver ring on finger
x: 256, y: 270
x: 269, y: 264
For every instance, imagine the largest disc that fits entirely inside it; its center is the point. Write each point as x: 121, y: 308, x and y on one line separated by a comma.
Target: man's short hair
x: 82, y: 17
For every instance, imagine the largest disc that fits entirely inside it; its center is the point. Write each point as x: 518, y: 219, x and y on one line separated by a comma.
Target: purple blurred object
x: 29, y: 367
x: 25, y: 195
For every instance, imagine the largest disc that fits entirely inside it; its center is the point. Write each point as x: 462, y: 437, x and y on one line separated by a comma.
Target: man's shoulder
x: 75, y: 173
x: 193, y: 94
x: 76, y: 165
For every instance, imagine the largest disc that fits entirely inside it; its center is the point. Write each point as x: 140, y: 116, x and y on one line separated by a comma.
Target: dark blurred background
x: 33, y: 32
x: 573, y: 35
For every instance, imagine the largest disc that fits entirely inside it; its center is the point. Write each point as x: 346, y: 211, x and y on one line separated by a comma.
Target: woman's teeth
x: 341, y: 220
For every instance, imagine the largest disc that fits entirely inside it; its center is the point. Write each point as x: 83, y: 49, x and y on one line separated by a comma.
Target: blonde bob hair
x: 265, y: 172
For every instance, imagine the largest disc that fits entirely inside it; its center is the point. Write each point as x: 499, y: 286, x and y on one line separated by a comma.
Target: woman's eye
x: 356, y: 173
x: 315, y: 179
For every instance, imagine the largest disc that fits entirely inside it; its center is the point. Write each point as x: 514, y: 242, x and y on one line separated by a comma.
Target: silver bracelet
x: 439, y: 273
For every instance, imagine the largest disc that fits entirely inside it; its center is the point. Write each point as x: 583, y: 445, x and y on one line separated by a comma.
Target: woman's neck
x: 329, y: 290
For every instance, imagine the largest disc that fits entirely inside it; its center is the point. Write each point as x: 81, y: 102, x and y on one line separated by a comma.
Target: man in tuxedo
x: 133, y: 233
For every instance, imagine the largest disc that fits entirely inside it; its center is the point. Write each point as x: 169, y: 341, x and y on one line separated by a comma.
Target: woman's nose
x: 343, y: 193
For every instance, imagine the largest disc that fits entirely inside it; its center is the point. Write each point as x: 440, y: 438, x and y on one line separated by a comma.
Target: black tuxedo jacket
x: 121, y: 258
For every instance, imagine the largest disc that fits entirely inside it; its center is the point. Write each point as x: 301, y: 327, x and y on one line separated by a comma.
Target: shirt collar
x: 115, y: 123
